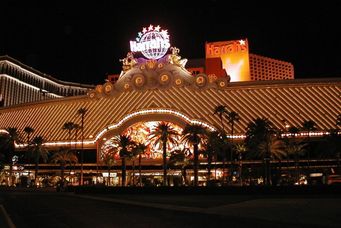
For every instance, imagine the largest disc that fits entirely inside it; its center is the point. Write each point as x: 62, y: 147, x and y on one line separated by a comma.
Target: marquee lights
x: 154, y: 111
x: 92, y: 142
x: 2, y: 131
x: 153, y: 42
x: 32, y: 74
x: 114, y: 126
x: 62, y: 143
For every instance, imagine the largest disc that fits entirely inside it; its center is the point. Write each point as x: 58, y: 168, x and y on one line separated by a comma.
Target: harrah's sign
x: 152, y: 41
x: 218, y: 49
x: 151, y: 44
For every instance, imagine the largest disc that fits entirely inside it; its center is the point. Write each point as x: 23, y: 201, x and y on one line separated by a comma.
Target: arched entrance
x: 139, y: 128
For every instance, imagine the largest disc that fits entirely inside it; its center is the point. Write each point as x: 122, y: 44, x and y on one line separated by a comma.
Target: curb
x: 8, y: 220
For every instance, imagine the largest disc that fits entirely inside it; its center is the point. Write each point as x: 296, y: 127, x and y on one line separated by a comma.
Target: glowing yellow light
x: 154, y: 111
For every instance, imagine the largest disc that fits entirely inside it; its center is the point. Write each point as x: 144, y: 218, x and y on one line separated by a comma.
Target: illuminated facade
x: 152, y: 90
x: 23, y: 84
x: 178, y: 97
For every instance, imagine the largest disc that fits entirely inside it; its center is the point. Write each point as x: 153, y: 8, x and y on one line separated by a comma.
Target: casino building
x: 20, y: 84
x: 158, y: 87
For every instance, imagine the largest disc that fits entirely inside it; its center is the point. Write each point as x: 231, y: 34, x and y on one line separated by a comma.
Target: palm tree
x: 195, y: 135
x: 273, y: 148
x: 178, y: 157
x: 109, y: 161
x: 13, y: 136
x: 221, y: 110
x: 293, y: 133
x: 232, y: 117
x: 216, y: 144
x: 309, y: 126
x: 240, y: 149
x: 76, y: 128
x: 138, y: 150
x: 124, y: 145
x: 222, y: 149
x: 259, y: 132
x: 163, y: 134
x: 297, y: 149
x: 64, y: 156
x: 28, y: 131
x: 211, y: 150
x: 69, y: 126
x: 82, y: 112
x: 38, y: 151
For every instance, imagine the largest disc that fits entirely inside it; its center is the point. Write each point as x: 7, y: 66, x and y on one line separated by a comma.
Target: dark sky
x: 83, y: 42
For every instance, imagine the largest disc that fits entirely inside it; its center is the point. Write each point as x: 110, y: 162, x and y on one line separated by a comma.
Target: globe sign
x: 151, y: 42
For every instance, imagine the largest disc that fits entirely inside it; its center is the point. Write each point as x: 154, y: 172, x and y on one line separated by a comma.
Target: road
x: 30, y: 209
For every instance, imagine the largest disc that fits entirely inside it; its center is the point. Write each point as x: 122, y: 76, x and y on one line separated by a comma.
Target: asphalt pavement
x: 51, y: 209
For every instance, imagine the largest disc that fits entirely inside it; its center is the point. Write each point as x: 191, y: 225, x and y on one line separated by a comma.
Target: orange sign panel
x: 234, y: 56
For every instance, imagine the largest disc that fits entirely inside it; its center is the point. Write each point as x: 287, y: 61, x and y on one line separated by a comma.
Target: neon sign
x: 234, y: 55
x: 152, y: 42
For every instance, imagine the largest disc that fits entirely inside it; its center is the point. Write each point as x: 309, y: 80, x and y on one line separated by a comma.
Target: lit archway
x: 142, y: 116
x: 140, y: 132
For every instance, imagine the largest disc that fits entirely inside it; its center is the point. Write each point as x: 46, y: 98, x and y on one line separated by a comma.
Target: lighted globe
x: 156, y: 45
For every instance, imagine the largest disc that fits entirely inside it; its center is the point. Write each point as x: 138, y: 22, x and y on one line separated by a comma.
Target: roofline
x: 250, y: 84
x: 286, y: 81
x: 28, y: 68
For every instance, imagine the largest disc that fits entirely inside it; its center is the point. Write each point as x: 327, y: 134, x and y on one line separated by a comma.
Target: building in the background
x: 264, y: 68
x: 232, y: 59
x: 22, y: 84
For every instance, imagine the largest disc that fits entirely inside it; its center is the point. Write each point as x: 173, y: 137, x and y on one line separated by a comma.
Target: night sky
x: 83, y: 42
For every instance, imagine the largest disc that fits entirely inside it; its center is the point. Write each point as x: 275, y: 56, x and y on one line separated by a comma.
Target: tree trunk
x: 241, y: 172
x: 123, y: 171
x: 164, y: 156
x: 11, y: 151
x: 267, y: 171
x: 108, y: 183
x: 36, y: 173
x: 133, y: 172
x: 196, y: 164
x: 297, y: 167
x: 224, y: 167
x: 231, y: 151
x: 62, y: 167
x: 209, y: 161
x: 215, y: 166
x: 184, y: 175
x: 140, y: 171
x: 222, y: 123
